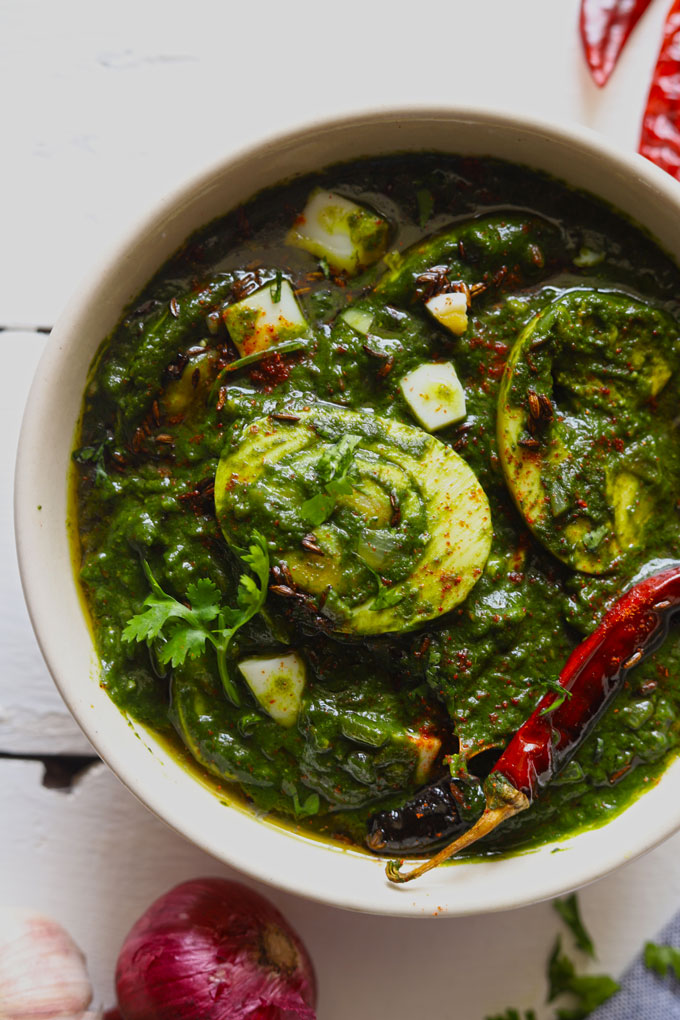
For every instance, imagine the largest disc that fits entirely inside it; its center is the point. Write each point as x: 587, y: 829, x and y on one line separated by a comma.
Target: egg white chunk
x: 277, y: 682
x: 450, y: 310
x: 434, y: 395
x: 347, y: 235
x: 259, y: 322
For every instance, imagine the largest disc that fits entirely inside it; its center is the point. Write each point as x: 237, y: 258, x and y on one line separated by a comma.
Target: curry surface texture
x: 426, y: 588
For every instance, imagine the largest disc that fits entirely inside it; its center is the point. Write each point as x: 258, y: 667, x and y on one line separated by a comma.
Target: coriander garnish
x: 186, y: 628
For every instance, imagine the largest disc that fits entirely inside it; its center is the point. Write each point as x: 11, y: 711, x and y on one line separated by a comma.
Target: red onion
x: 214, y: 950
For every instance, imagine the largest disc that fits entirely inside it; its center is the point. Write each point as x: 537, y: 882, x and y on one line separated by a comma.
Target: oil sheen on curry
x: 360, y: 468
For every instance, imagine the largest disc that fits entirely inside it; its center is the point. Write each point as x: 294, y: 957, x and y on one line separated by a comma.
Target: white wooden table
x: 104, y: 108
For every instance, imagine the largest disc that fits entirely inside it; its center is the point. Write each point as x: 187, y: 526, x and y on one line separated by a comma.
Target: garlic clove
x: 42, y: 971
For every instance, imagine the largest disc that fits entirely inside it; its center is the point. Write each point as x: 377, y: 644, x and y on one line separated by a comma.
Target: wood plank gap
x: 60, y: 771
x: 26, y: 329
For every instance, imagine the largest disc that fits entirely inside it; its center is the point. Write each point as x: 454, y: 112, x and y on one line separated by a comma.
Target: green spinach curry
x: 362, y: 465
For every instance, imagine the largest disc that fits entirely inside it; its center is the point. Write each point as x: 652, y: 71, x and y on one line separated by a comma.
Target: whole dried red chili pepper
x: 634, y: 628
x: 605, y: 27
x: 660, y: 135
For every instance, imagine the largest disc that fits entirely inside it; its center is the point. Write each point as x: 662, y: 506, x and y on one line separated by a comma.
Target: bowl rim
x: 449, y: 891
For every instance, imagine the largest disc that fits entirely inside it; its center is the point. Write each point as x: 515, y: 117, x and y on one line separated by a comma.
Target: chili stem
x: 635, y: 626
x: 513, y: 802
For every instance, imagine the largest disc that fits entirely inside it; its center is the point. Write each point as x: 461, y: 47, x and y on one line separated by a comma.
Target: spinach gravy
x: 362, y: 465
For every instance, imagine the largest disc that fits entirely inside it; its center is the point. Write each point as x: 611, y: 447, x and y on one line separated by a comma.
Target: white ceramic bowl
x: 342, y: 877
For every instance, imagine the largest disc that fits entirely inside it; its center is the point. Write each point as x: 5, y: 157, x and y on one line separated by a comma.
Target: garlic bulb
x: 42, y: 971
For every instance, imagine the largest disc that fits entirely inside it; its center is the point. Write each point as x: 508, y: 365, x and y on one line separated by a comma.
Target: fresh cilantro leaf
x: 309, y: 806
x: 589, y: 990
x: 336, y: 460
x: 425, y: 205
x: 204, y: 596
x: 146, y: 626
x: 257, y: 557
x: 161, y: 608
x: 594, y: 538
x: 185, y: 629
x: 568, y: 909
x: 318, y: 508
x: 592, y: 990
x: 560, y: 691
x: 94, y: 455
x: 247, y: 591
x: 561, y: 972
x: 332, y: 469
x: 514, y: 1014
x: 387, y: 597
x: 662, y: 959
x: 339, y: 487
x: 184, y: 641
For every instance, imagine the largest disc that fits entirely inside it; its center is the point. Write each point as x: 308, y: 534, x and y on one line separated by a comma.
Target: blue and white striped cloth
x: 644, y: 994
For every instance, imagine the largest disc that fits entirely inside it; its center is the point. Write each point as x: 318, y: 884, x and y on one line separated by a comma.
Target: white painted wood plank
x: 117, y: 106
x: 94, y: 858
x: 33, y: 717
x: 109, y: 109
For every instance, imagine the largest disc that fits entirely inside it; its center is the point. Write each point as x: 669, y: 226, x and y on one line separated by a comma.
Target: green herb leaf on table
x: 569, y: 911
x: 589, y: 990
x: 185, y: 629
x: 513, y: 1014
x: 662, y: 959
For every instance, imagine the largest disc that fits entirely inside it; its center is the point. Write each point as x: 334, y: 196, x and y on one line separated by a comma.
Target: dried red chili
x: 593, y: 674
x: 605, y: 27
x: 660, y: 135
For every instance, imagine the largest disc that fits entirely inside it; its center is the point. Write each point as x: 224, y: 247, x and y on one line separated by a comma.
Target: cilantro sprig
x: 187, y: 628
x: 569, y: 910
x: 588, y: 991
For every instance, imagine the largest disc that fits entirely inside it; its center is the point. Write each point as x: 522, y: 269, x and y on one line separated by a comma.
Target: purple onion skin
x: 211, y: 949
